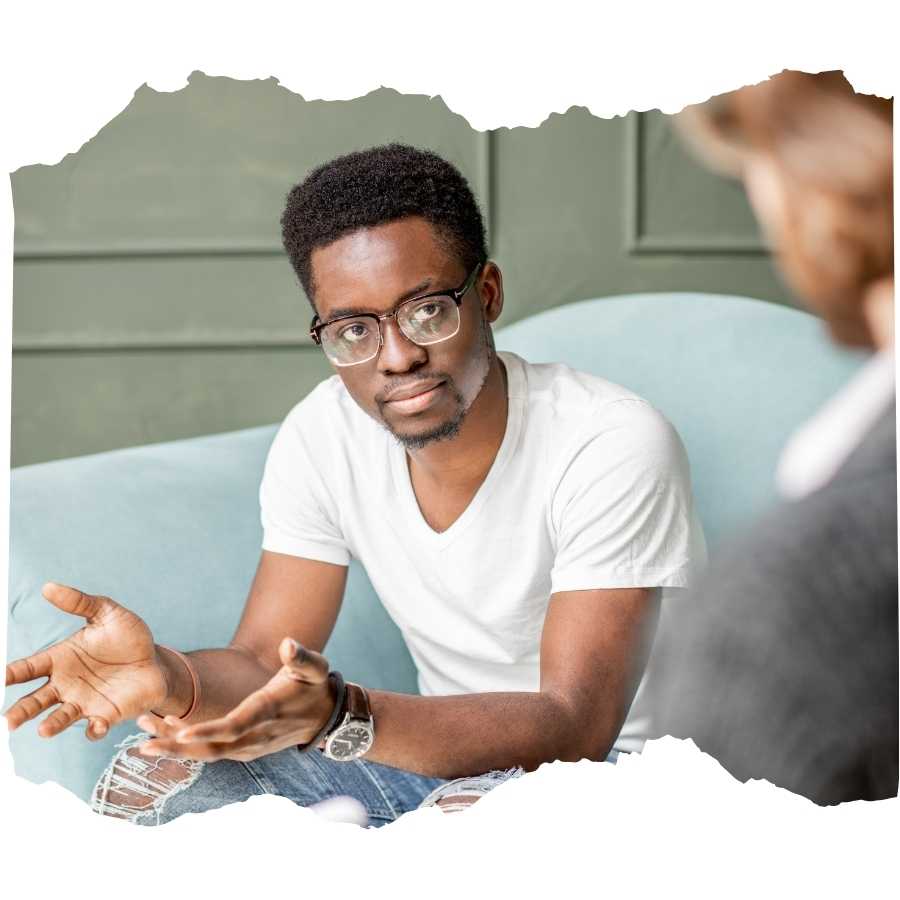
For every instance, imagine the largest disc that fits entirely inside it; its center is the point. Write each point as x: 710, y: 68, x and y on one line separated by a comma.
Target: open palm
x: 106, y: 672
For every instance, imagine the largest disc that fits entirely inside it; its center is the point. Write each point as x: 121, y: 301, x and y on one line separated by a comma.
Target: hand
x: 290, y: 709
x: 106, y: 673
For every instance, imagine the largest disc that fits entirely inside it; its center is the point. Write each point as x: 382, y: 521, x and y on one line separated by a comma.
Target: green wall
x: 152, y: 300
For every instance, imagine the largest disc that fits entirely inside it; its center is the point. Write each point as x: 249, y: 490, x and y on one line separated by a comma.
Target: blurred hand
x: 290, y: 709
x: 107, y: 672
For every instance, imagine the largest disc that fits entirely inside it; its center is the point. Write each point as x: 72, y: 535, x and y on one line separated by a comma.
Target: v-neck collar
x: 408, y: 504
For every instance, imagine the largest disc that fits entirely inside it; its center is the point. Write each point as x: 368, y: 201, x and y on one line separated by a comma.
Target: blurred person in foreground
x: 785, y: 666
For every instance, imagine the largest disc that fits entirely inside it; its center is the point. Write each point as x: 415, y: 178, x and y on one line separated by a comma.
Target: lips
x: 416, y: 390
x: 414, y: 400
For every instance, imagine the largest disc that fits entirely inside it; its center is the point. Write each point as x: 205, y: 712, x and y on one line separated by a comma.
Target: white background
x: 668, y: 822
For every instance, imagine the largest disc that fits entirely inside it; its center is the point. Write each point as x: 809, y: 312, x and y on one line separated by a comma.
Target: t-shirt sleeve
x: 298, y: 513
x: 622, y: 511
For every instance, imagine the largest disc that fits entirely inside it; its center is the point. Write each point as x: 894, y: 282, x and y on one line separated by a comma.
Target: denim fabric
x: 465, y: 790
x: 305, y: 778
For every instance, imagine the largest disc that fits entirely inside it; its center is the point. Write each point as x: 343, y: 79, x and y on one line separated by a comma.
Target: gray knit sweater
x: 783, y: 663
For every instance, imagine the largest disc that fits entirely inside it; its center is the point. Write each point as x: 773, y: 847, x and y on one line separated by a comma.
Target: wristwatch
x: 354, y: 732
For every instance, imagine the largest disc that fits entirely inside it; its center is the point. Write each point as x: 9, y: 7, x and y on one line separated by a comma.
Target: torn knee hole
x: 457, y: 802
x: 135, y: 785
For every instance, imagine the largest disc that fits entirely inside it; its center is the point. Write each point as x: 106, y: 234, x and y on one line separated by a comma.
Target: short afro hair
x: 376, y: 186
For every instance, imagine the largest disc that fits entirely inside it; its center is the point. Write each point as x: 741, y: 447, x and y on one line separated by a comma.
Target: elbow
x: 581, y: 732
x: 577, y: 747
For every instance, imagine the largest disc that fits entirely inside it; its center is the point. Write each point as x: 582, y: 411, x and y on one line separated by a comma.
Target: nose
x: 398, y: 353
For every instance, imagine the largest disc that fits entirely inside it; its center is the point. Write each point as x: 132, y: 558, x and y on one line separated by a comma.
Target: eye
x: 353, y: 332
x: 429, y: 311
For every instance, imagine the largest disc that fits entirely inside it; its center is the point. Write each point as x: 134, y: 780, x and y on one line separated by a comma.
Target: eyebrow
x: 420, y: 288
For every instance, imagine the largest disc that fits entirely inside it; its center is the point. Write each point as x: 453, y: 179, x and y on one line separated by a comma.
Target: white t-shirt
x: 590, y: 489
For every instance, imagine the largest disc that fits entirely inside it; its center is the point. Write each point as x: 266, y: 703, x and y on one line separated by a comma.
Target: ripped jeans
x: 154, y: 791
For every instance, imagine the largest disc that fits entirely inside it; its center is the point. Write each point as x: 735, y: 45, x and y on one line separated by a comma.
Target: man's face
x: 420, y: 394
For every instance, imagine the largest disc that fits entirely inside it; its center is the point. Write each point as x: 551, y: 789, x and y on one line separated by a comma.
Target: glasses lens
x: 429, y: 320
x: 350, y: 341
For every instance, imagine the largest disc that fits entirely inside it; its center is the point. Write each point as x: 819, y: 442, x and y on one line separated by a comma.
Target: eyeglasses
x: 428, y: 319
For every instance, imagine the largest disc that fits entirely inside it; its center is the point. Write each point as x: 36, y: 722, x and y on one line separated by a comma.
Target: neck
x: 468, y: 456
x: 878, y: 311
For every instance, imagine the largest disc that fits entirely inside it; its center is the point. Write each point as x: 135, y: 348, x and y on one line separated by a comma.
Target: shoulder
x: 834, y: 546
x: 560, y: 387
x: 587, y: 434
x: 876, y: 454
x: 580, y: 409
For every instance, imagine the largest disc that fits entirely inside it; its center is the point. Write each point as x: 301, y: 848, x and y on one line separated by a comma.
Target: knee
x: 456, y: 802
x: 461, y: 793
x: 137, y: 788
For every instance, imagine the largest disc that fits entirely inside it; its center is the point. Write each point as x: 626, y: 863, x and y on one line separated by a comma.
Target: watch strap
x: 340, y: 698
x: 357, y: 702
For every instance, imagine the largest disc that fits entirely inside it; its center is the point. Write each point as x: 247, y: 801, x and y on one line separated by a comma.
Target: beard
x: 444, y: 432
x: 449, y: 429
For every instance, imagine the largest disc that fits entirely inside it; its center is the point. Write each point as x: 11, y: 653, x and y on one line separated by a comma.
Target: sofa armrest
x: 172, y: 531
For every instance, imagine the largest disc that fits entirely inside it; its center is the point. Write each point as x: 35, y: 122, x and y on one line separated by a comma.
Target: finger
x: 39, y: 665
x: 251, y: 712
x: 207, y: 751
x: 152, y: 724
x: 199, y: 750
x: 302, y: 663
x: 31, y: 705
x: 76, y: 602
x: 59, y: 720
x: 171, y: 726
x: 213, y: 730
x: 97, y: 728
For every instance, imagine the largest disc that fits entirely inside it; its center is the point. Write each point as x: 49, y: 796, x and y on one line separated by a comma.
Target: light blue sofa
x: 172, y: 530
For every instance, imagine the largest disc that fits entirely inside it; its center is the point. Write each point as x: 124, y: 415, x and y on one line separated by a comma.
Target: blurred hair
x: 833, y: 150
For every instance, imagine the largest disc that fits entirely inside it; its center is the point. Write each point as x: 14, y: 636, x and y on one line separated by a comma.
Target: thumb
x: 97, y: 728
x: 301, y: 663
x: 72, y: 600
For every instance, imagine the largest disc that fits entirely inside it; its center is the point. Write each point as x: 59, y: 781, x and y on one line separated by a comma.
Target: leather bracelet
x: 195, y: 682
x: 340, y: 690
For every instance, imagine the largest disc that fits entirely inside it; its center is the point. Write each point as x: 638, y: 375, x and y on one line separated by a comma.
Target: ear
x: 490, y: 290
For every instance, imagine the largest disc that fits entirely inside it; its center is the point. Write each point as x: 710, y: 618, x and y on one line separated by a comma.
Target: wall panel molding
x: 263, y: 340
x: 638, y: 242
x: 32, y: 250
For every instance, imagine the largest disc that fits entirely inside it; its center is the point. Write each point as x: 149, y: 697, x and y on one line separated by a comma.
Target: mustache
x: 398, y: 384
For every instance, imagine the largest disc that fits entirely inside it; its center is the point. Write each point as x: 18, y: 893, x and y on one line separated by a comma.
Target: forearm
x: 452, y: 736
x: 226, y: 676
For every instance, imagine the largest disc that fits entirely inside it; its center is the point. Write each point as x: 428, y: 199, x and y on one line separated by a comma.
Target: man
x: 518, y: 522
x: 784, y: 663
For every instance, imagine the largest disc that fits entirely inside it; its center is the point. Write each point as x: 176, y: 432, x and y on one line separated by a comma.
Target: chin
x: 416, y: 440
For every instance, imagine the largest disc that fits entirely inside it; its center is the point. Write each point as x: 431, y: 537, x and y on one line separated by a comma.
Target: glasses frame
x: 456, y: 294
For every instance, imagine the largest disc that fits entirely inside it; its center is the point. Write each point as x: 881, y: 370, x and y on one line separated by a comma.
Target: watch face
x: 350, y: 741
